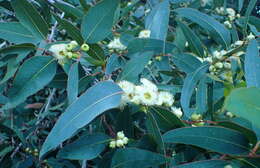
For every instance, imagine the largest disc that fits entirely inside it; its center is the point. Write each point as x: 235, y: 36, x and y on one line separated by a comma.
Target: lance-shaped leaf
x: 32, y: 76
x: 204, y: 164
x: 97, y: 23
x: 157, y: 20
x: 218, y: 31
x: 217, y: 139
x: 252, y: 65
x: 72, y: 84
x: 85, y: 148
x: 16, y: 33
x: 244, y: 102
x: 138, y: 158
x: 30, y: 18
x: 190, y: 83
x: 96, y: 100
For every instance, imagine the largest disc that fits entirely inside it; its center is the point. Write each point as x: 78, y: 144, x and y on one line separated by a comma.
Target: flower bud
x: 69, y: 54
x: 76, y: 55
x: 196, y: 117
x: 112, y: 144
x: 212, y: 68
x: 69, y: 47
x: 84, y: 47
x: 74, y: 43
x: 120, y: 135
x: 119, y: 143
x: 219, y: 65
x: 250, y: 36
x: 27, y: 149
x: 125, y: 140
x: 227, y: 65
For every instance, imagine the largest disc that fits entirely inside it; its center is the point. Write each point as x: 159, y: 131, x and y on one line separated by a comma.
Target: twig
x: 53, y: 28
x: 110, y: 129
x: 252, y: 153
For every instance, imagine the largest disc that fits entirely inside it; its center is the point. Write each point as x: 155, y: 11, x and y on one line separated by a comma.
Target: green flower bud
x: 112, y: 144
x: 120, y: 135
x: 75, y: 55
x: 69, y: 54
x: 196, y: 117
x: 84, y: 47
x: 69, y: 47
x: 219, y: 65
x: 119, y: 143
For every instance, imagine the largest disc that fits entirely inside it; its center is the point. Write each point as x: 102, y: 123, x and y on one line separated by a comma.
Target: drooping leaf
x: 204, y: 164
x: 30, y: 18
x: 190, y: 83
x: 69, y: 9
x: 252, y: 65
x: 138, y: 158
x: 217, y: 139
x: 96, y: 100
x: 73, y: 31
x: 72, y: 85
x: 142, y: 45
x: 135, y: 66
x: 157, y: 20
x: 218, y: 31
x: 32, y: 76
x: 249, y: 9
x: 186, y: 62
x: 244, y: 102
x: 16, y: 33
x: 97, y: 23
x: 85, y: 148
x: 194, y: 42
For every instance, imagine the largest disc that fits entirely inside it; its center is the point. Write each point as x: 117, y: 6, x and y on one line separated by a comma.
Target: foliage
x: 122, y: 84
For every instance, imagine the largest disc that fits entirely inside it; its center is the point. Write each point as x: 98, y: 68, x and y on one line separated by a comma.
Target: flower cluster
x: 144, y: 34
x: 146, y: 94
x: 231, y: 13
x: 177, y: 111
x: 218, y: 66
x: 116, y: 45
x: 120, y: 141
x: 67, y: 51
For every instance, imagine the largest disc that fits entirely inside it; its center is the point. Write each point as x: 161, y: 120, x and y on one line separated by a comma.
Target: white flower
x: 238, y: 43
x: 116, y: 44
x: 126, y: 86
x: 146, y: 95
x: 177, y: 111
x: 165, y: 98
x: 231, y: 12
x: 250, y: 36
x: 228, y: 24
x: 144, y: 34
x: 148, y: 84
x: 223, y: 52
x: 209, y: 59
x: 120, y: 135
x: 220, y: 10
x: 58, y: 50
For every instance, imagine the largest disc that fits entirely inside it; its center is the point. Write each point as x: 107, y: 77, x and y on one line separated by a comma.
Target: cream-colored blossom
x: 144, y: 34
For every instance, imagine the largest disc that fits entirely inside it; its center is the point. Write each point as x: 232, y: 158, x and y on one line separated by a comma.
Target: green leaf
x: 138, y: 158
x: 217, y: 139
x: 69, y: 9
x: 97, y: 53
x: 166, y: 119
x: 249, y: 9
x: 12, y: 67
x: 135, y: 66
x: 194, y: 42
x: 249, y: 133
x: 16, y: 33
x: 97, y: 99
x: 218, y: 31
x: 186, y: 62
x: 73, y: 31
x: 252, y: 64
x: 142, y: 45
x: 97, y: 23
x: 85, y: 148
x: 244, y: 102
x: 30, y: 18
x: 154, y: 129
x: 158, y: 19
x: 190, y: 83
x: 33, y: 75
x: 205, y: 164
x: 72, y: 85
